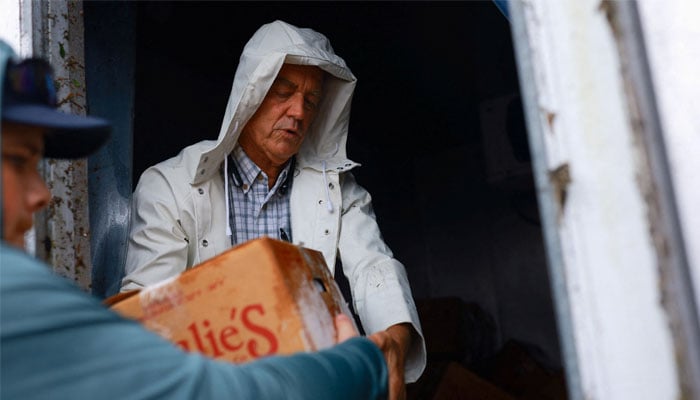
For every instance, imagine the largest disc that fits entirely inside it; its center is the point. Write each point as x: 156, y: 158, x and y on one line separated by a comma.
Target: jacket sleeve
x: 59, y: 343
x: 158, y: 244
x: 379, y: 284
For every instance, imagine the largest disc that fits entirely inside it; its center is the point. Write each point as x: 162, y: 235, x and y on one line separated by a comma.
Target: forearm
x: 87, y: 351
x: 391, y: 306
x: 354, y: 369
x: 402, y: 334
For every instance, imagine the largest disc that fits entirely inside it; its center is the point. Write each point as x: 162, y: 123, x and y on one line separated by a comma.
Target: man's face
x: 23, y: 189
x: 277, y: 129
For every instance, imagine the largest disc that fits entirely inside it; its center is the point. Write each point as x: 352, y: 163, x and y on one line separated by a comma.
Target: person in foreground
x: 279, y: 168
x: 59, y: 343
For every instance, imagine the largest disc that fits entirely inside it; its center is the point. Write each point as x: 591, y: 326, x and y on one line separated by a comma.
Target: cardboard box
x: 516, y: 369
x: 450, y: 380
x: 260, y: 298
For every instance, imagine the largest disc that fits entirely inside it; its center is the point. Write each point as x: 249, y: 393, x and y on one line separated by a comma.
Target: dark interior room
x: 437, y: 125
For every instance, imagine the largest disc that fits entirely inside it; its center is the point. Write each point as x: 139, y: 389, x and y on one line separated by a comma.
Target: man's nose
x: 296, y: 107
x: 38, y: 195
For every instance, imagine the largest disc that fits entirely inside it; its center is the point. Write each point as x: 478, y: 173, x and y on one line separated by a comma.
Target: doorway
x: 437, y: 126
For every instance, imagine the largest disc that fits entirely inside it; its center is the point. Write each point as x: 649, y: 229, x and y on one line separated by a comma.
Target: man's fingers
x: 344, y: 327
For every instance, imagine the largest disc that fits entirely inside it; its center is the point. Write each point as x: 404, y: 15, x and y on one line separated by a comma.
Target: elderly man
x: 279, y: 168
x: 59, y: 343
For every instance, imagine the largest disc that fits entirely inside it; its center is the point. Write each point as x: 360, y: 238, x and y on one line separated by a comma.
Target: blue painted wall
x: 109, y: 75
x: 503, y: 7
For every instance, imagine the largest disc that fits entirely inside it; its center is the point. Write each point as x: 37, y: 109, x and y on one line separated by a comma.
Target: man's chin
x: 15, y: 242
x: 281, y: 159
x: 286, y: 150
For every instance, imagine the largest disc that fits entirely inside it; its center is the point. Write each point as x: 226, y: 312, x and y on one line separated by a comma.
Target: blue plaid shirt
x: 256, y: 211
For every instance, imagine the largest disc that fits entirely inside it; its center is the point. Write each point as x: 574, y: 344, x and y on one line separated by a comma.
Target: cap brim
x: 69, y: 135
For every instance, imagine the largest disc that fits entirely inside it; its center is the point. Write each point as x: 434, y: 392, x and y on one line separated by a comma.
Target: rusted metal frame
x: 658, y: 187
x: 62, y: 229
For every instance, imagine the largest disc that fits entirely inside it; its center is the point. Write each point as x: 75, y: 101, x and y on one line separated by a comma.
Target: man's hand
x: 394, y: 343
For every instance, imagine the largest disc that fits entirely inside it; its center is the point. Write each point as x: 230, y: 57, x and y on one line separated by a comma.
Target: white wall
x: 15, y: 29
x: 579, y: 116
x: 672, y: 37
x: 9, y: 28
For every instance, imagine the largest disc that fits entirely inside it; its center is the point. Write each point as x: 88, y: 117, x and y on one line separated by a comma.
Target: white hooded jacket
x: 179, y: 208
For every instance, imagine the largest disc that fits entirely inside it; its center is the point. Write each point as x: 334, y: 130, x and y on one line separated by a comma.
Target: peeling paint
x: 550, y: 120
x: 63, y: 232
x: 560, y: 179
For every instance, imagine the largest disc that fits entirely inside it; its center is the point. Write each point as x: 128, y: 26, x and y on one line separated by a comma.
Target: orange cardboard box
x: 260, y: 298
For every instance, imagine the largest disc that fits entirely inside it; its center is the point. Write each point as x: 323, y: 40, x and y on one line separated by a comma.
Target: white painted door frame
x: 614, y: 197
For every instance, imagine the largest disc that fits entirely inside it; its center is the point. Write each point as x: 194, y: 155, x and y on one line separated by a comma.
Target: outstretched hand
x: 394, y: 343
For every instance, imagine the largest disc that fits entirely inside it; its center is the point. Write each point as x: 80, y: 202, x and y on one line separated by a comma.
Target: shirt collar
x: 245, y: 171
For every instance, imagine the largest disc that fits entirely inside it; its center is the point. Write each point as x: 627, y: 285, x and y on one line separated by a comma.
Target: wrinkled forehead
x: 295, y: 74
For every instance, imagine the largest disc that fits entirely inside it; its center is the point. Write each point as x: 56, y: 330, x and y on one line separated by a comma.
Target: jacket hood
x: 273, y: 45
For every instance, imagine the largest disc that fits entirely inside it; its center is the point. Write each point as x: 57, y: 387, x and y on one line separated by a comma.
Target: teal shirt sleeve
x: 57, y: 342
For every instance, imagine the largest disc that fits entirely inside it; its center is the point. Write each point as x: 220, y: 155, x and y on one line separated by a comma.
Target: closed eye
x: 17, y: 161
x: 310, y: 105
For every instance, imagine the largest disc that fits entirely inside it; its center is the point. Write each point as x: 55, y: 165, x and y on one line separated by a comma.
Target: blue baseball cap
x: 29, y: 98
